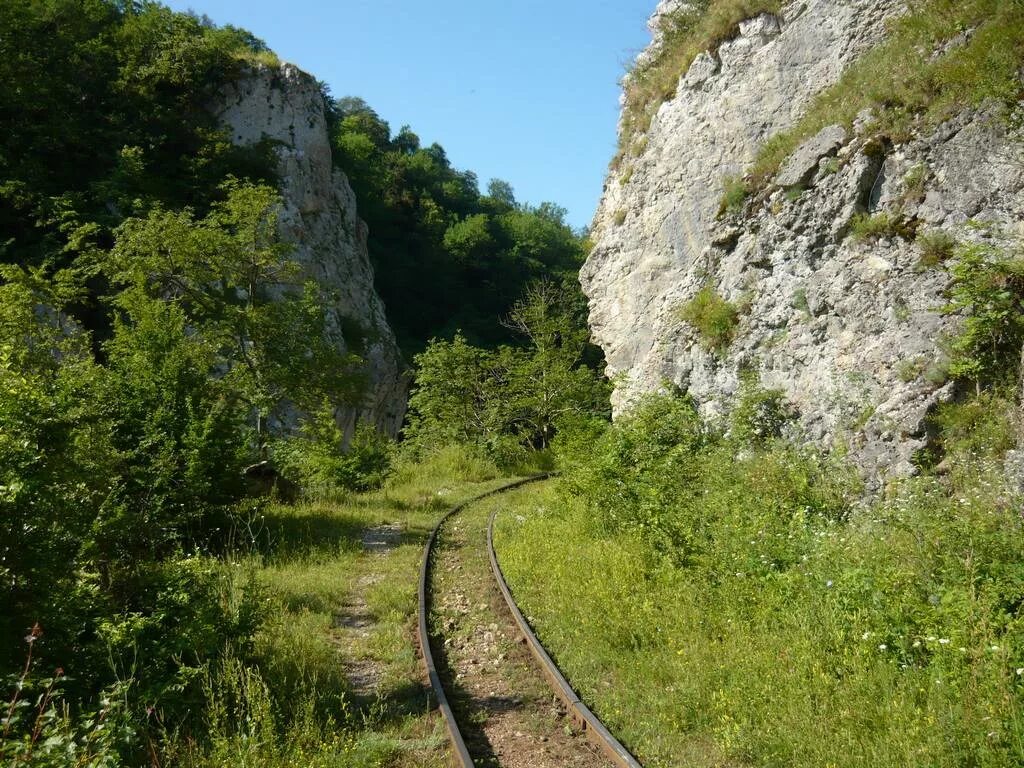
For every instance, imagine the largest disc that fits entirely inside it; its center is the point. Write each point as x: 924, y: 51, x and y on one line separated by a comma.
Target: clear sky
x: 522, y: 90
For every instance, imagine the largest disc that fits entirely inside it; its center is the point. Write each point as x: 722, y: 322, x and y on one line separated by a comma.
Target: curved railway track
x: 584, y: 719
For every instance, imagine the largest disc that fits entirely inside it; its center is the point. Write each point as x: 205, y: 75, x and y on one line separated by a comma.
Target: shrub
x: 868, y: 228
x: 759, y: 415
x: 734, y: 195
x: 620, y: 217
x: 988, y: 287
x: 799, y: 301
x: 319, y: 461
x: 936, y: 247
x: 914, y: 183
x: 714, y: 318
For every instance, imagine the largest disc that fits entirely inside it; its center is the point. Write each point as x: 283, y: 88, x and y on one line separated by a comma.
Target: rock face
x: 319, y: 218
x: 849, y: 328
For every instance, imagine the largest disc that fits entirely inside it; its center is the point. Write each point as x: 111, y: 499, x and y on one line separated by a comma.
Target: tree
x: 512, y: 396
x: 502, y: 192
x: 552, y: 381
x: 236, y: 287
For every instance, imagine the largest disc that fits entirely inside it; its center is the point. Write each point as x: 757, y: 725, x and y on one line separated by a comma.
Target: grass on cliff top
x: 702, y: 26
x: 941, y: 57
x: 777, y: 624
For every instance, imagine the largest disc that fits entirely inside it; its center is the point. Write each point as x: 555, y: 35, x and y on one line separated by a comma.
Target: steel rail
x: 460, y: 754
x: 591, y: 725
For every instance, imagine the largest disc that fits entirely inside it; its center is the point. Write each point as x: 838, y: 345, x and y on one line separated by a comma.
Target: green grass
x: 792, y: 634
x: 871, y: 227
x: 908, y: 89
x: 937, y: 247
x: 291, y: 702
x: 714, y: 318
x: 734, y: 196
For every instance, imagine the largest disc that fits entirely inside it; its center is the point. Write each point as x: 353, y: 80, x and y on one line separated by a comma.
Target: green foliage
x: 759, y: 415
x: 937, y: 246
x: 920, y: 75
x: 734, y: 196
x: 509, y: 399
x: 799, y: 301
x: 979, y: 428
x: 231, y: 277
x: 105, y: 114
x: 445, y: 256
x: 914, y: 183
x: 714, y: 318
x: 320, y: 460
x: 760, y: 618
x: 988, y: 288
x: 867, y: 227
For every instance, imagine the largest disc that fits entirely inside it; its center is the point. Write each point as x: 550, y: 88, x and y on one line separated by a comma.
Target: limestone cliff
x: 286, y: 106
x: 849, y: 330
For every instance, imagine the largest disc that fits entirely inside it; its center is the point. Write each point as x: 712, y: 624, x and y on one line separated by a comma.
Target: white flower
x: 993, y: 647
x: 828, y: 583
x: 917, y: 644
x: 943, y: 641
x: 1020, y: 671
x: 882, y: 646
x: 865, y: 636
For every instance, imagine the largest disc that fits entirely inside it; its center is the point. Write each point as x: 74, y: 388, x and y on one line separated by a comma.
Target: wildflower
x: 943, y: 641
x: 1020, y: 671
x: 882, y: 647
x: 993, y: 648
x: 917, y: 644
x: 865, y: 636
x: 828, y: 583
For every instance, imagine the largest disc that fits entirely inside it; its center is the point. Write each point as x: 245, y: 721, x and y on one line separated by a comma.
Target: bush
x: 759, y: 414
x: 734, y: 195
x: 714, y: 318
x: 868, y: 228
x: 782, y: 623
x: 937, y: 246
x: 319, y: 461
x: 988, y: 288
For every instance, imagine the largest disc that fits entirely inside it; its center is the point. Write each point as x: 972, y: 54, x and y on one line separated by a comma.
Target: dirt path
x: 505, y: 709
x: 354, y: 622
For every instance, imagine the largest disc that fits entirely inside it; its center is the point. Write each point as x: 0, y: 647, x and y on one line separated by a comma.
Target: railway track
x: 511, y: 681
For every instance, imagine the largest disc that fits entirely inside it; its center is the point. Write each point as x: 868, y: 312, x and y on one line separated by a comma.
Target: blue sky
x: 523, y: 90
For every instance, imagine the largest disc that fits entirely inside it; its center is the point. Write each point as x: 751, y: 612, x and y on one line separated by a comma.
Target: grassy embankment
x: 336, y: 611
x: 720, y: 604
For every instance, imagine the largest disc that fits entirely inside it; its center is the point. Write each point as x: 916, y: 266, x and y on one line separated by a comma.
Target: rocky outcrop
x: 849, y: 328
x: 286, y: 106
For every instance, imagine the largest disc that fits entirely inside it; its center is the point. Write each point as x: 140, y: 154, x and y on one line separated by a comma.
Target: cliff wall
x: 849, y: 329
x: 320, y: 219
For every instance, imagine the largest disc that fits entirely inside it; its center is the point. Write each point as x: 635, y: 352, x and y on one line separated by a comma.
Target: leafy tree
x: 513, y: 398
x: 502, y: 192
x: 232, y: 280
x: 552, y: 380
